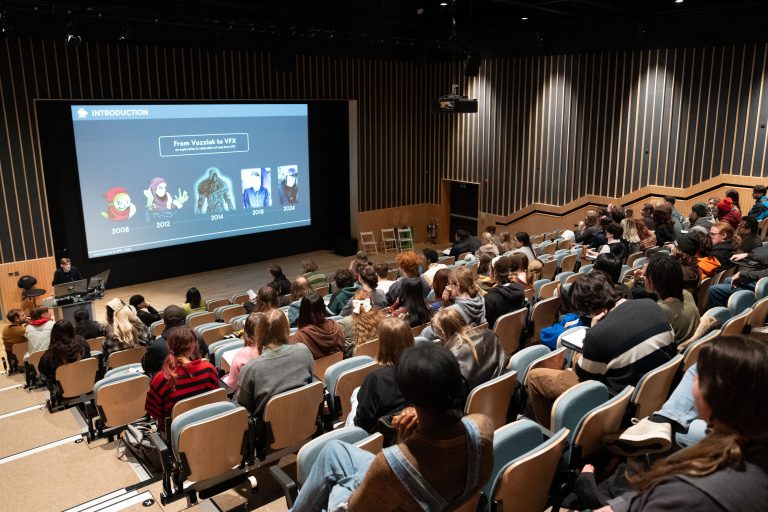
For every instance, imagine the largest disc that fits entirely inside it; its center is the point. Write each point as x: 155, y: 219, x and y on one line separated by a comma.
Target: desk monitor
x: 98, y: 280
x: 73, y: 288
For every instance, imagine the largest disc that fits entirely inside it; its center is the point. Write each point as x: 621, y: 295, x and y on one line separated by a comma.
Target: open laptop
x: 98, y: 280
x: 73, y: 288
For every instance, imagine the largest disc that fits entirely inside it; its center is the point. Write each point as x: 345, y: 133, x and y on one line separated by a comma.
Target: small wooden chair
x: 368, y: 241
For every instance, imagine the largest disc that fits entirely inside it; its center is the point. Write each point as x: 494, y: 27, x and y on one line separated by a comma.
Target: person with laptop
x: 66, y: 273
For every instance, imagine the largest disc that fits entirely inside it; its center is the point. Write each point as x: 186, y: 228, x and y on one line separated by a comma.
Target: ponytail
x: 182, y: 343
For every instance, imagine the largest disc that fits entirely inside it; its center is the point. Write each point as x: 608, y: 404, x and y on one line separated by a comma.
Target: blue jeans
x: 340, y: 468
x: 681, y: 408
x: 719, y: 293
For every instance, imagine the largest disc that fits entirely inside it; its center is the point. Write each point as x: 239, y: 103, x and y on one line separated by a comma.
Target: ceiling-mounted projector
x: 454, y: 104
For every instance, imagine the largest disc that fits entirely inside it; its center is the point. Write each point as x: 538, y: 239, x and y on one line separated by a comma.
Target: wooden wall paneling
x: 10, y: 294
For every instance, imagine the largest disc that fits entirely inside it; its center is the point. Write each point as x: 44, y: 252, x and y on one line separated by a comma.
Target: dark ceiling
x: 397, y: 28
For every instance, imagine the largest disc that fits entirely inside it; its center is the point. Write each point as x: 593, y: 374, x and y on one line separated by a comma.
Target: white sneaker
x: 645, y: 436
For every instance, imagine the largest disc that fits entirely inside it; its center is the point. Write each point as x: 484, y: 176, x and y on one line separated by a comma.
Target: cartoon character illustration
x: 214, y: 193
x: 256, y: 187
x: 160, y: 203
x: 119, y: 205
x: 289, y: 186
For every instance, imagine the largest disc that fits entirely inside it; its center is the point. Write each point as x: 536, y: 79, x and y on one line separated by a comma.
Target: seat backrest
x: 548, y: 290
x: 417, y: 330
x: 719, y: 313
x: 509, y: 327
x: 691, y: 354
x: 293, y: 415
x: 34, y: 358
x: 548, y: 268
x: 521, y: 360
x: 322, y: 364
x: 193, y: 402
x: 554, y: 360
x: 639, y: 262
x: 562, y: 276
x: 543, y: 315
x: 585, y: 269
x: 77, y: 378
x: 576, y: 402
x: 157, y: 328
x: 239, y: 298
x: 200, y: 318
x: 231, y: 311
x: 568, y: 263
x: 369, y: 348
x: 740, y: 300
x: 653, y: 388
x: 211, y: 439
x: 600, y: 421
x: 523, y: 484
x: 124, y: 357
x: 756, y: 317
x: 511, y: 441
x: 218, y: 354
x: 211, y: 305
x: 538, y: 284
x: 321, y: 290
x: 216, y: 333
x: 492, y: 398
x: 19, y: 349
x: 121, y: 398
x: 131, y: 368
x: 349, y: 381
x: 702, y: 295
x: 308, y: 453
x: 96, y: 344
x: 761, y: 288
x: 633, y: 257
x: 335, y: 371
x: 735, y: 325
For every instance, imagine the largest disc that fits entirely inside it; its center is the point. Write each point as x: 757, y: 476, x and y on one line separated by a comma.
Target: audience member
x: 321, y: 335
x: 686, y: 251
x: 113, y: 305
x: 464, y: 242
x: 747, y: 232
x: 14, y: 332
x: 664, y: 277
x: 613, y: 245
x: 700, y: 218
x: 665, y: 227
x: 756, y: 265
x: 127, y: 332
x: 279, y: 282
x: 86, y: 327
x: 484, y: 280
x: 522, y: 243
x: 382, y: 271
x: 676, y: 215
x: 631, y: 236
x: 254, y: 330
x: 266, y: 300
x: 708, y: 264
x: 439, y: 283
x: 65, y: 348
x: 346, y: 287
x: 712, y: 207
x: 612, y: 266
x: 299, y: 289
x: 429, y: 378
x: 38, y: 330
x: 480, y: 355
x: 433, y: 265
x: 586, y: 229
x: 646, y: 214
x: 488, y: 246
x: 361, y: 325
x: 194, y: 302
x: 368, y: 281
x: 728, y: 212
x: 723, y: 243
x: 316, y: 279
x: 184, y: 374
x: 408, y: 263
x: 760, y: 209
x: 280, y: 367
x: 379, y: 395
x: 506, y: 296
x: 647, y: 237
x: 627, y: 339
x: 361, y: 258
x: 492, y: 231
x: 733, y: 195
x: 149, y: 316
x: 505, y: 243
x: 411, y: 305
x: 157, y: 351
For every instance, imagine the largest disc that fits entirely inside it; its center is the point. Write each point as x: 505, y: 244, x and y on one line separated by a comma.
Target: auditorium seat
x: 119, y: 399
x: 342, y: 378
x: 509, y: 329
x: 74, y: 382
x: 124, y: 357
x: 493, y: 398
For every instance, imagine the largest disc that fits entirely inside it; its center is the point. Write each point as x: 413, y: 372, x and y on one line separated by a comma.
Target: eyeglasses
x: 712, y: 233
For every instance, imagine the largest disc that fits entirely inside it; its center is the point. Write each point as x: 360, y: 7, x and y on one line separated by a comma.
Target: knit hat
x: 687, y: 244
x: 700, y: 209
x: 361, y: 255
x: 724, y: 206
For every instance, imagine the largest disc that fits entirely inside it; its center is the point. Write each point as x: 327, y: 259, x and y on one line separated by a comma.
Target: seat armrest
x: 290, y: 489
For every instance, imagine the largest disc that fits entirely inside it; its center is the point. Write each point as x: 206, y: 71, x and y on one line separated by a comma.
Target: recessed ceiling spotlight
x: 524, y: 18
x: 679, y: 1
x: 443, y: 4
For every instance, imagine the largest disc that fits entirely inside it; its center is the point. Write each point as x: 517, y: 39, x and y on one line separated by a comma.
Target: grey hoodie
x: 472, y: 309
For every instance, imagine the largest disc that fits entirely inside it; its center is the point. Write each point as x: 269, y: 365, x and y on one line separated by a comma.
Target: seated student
x: 463, y: 295
x: 321, y: 335
x: 647, y: 237
x: 382, y: 271
x: 505, y: 242
x: 316, y: 279
x: 194, y: 302
x: 614, y: 245
x: 488, y: 246
x: 113, y: 305
x: 149, y: 316
x: 665, y: 226
x: 464, y: 242
x: 519, y: 272
x: 346, y: 287
x: 299, y: 289
x: 480, y: 355
x: 157, y: 351
x: 750, y: 239
x: 279, y: 282
x: 506, y: 296
x: 708, y: 264
x: 723, y: 243
x: 433, y: 265
x: 411, y: 305
x: 611, y: 265
x: 66, y: 347
x: 13, y: 333
x: 432, y: 433
x: 664, y: 277
x: 686, y: 250
x: 368, y: 281
x: 87, y: 328
x: 38, y: 330
x: 439, y: 283
x: 255, y: 327
x: 752, y: 267
x: 728, y: 212
x: 379, y: 395
x: 362, y: 324
x: 127, y: 332
x: 728, y: 468
x: 266, y: 300
x: 184, y: 374
x: 484, y: 280
x: 408, y: 263
x: 628, y: 338
x: 631, y: 236
x: 361, y: 258
x: 281, y: 366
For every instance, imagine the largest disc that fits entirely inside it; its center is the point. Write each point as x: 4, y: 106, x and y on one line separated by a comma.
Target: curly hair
x: 408, y: 262
x: 366, y: 322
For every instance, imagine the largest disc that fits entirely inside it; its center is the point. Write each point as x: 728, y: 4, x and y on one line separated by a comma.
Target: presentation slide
x: 159, y: 175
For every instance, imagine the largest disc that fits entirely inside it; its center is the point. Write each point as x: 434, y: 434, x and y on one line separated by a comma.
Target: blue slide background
x: 125, y: 153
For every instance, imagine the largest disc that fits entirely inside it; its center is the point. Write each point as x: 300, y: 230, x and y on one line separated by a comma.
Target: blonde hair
x: 630, y: 231
x: 125, y: 325
x: 452, y: 329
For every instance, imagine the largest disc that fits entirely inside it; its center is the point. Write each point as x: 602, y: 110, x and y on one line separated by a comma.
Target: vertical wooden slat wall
x: 550, y: 129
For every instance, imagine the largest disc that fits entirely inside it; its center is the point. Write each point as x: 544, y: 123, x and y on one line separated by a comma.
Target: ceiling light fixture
x: 73, y: 37
x: 524, y: 18
x: 679, y: 1
x: 443, y: 4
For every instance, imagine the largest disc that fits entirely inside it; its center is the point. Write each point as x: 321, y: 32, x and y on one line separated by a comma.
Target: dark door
x: 463, y: 207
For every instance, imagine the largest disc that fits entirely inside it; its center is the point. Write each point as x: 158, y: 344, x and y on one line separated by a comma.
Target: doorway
x: 463, y: 207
